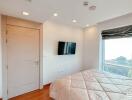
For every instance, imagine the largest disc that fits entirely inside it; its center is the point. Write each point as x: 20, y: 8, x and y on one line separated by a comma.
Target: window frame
x: 103, y: 60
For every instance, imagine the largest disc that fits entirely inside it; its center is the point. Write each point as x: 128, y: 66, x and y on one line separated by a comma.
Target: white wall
x: 92, y: 39
x: 0, y: 63
x: 56, y: 66
x: 116, y: 22
x: 91, y: 48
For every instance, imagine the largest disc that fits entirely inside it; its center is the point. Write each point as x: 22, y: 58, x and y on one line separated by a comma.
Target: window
x: 118, y: 56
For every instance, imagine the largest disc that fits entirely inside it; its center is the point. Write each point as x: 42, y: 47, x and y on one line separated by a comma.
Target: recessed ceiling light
x: 25, y: 13
x: 55, y: 14
x: 74, y: 21
x: 87, y: 25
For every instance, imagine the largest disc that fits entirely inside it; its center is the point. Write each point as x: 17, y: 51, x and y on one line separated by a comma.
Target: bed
x: 92, y: 85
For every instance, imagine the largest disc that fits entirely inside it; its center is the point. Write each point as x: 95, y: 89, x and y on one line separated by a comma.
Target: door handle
x: 36, y: 62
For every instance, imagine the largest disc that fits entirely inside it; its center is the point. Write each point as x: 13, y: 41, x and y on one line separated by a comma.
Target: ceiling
x: 42, y: 10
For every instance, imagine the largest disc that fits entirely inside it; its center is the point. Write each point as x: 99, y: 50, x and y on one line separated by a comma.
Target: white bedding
x: 92, y: 85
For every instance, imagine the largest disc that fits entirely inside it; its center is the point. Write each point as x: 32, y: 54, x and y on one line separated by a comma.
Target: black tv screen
x: 66, y: 48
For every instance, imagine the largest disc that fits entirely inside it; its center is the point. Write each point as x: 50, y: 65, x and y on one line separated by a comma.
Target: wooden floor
x: 35, y: 95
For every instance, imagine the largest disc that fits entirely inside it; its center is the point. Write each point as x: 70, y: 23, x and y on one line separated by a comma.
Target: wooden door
x: 23, y: 59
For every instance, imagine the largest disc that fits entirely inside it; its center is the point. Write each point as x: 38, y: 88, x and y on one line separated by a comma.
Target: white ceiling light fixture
x: 74, y: 21
x: 92, y: 8
x: 25, y: 13
x: 87, y: 25
x: 55, y: 14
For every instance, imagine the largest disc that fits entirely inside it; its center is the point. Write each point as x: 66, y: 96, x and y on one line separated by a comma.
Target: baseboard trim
x: 47, y: 85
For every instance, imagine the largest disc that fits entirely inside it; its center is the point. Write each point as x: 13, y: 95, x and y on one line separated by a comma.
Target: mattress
x: 92, y: 85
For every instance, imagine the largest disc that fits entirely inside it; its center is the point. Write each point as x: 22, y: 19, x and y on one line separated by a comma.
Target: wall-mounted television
x: 66, y: 48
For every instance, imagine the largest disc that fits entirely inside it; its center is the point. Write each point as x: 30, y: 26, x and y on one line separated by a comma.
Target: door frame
x: 22, y: 23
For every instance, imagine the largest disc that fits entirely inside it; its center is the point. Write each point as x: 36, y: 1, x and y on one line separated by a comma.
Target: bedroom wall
x: 91, y: 48
x: 56, y: 66
x: 116, y: 22
x: 93, y: 41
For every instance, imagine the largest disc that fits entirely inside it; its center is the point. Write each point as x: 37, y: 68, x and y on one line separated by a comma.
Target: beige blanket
x: 92, y: 85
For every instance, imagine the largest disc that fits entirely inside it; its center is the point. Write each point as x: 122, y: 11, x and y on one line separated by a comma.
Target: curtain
x: 120, y: 32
